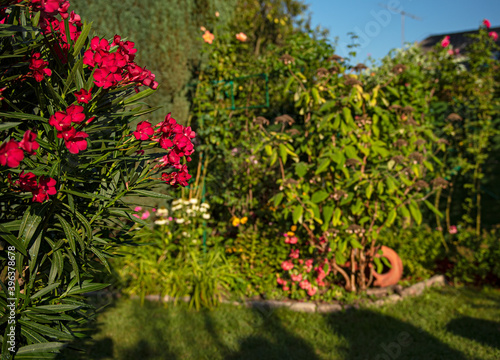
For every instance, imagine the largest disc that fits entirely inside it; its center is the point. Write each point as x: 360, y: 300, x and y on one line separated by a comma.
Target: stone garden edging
x: 311, y: 307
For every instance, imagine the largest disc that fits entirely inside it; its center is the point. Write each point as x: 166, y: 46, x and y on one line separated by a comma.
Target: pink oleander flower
x: 296, y: 278
x: 493, y: 35
x: 453, y: 229
x: 486, y: 23
x: 137, y: 208
x: 83, y: 96
x: 145, y: 215
x: 446, y: 41
x: 28, y: 143
x: 11, y: 154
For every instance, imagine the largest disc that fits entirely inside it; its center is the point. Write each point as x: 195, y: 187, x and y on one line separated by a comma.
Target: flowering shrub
x: 68, y: 158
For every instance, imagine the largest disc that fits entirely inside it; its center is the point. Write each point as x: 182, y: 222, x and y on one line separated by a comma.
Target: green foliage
x: 474, y: 260
x: 171, y: 258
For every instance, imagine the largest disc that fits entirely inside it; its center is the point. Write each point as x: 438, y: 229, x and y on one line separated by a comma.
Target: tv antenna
x: 403, y: 14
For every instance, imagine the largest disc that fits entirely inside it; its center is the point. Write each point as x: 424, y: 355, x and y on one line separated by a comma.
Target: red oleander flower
x: 27, y: 182
x: 76, y: 142
x: 28, y: 143
x: 38, y: 67
x: 486, y: 23
x: 60, y: 120
x: 10, y: 154
x: 144, y: 131
x: 75, y: 19
x: 83, y: 96
x: 446, y: 41
x: 46, y: 187
x: 177, y: 178
x: 493, y: 35
x: 76, y: 113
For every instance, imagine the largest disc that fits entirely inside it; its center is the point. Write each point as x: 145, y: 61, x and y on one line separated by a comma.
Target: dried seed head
x: 395, y: 107
x: 408, y: 109
x: 293, y: 132
x: 454, y: 117
x: 351, y: 81
x: 333, y: 70
x: 439, y: 182
x: 399, y: 68
x: 360, y: 67
x: 322, y: 72
x: 420, y: 142
x: 286, y: 119
x: 416, y: 157
x: 335, y: 57
x: 261, y: 120
x: 287, y: 59
x: 443, y: 141
x: 421, y: 184
x: 398, y: 159
x: 401, y: 143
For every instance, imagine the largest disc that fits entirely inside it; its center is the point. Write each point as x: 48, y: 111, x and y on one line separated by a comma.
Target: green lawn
x: 444, y: 323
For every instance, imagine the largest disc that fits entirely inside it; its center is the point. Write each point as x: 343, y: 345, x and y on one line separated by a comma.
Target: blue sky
x: 380, y: 30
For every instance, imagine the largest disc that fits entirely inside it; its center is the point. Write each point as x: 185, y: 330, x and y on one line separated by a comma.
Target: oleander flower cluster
x: 109, y: 65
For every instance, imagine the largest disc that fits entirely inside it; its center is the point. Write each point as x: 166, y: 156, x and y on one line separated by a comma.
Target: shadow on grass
x: 269, y: 340
x: 152, y: 343
x: 486, y: 332
x: 374, y: 336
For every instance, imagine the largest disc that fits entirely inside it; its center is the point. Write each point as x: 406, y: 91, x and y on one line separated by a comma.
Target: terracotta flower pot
x: 394, y: 274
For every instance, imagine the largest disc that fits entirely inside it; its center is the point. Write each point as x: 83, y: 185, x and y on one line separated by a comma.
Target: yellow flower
x: 294, y: 228
x: 290, y: 233
x: 243, y: 220
x: 236, y: 221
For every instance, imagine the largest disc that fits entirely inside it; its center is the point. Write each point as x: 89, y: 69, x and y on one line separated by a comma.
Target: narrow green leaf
x: 82, y: 38
x: 42, y: 347
x: 67, y: 231
x: 151, y: 194
x: 45, y: 290
x: 12, y: 240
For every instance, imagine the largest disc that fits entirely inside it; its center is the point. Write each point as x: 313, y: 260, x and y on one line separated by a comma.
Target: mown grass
x: 446, y: 323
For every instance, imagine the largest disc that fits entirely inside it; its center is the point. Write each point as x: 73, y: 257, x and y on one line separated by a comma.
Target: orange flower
x: 208, y: 37
x: 241, y: 37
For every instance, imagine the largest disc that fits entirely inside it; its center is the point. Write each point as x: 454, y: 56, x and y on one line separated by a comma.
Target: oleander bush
x: 68, y: 157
